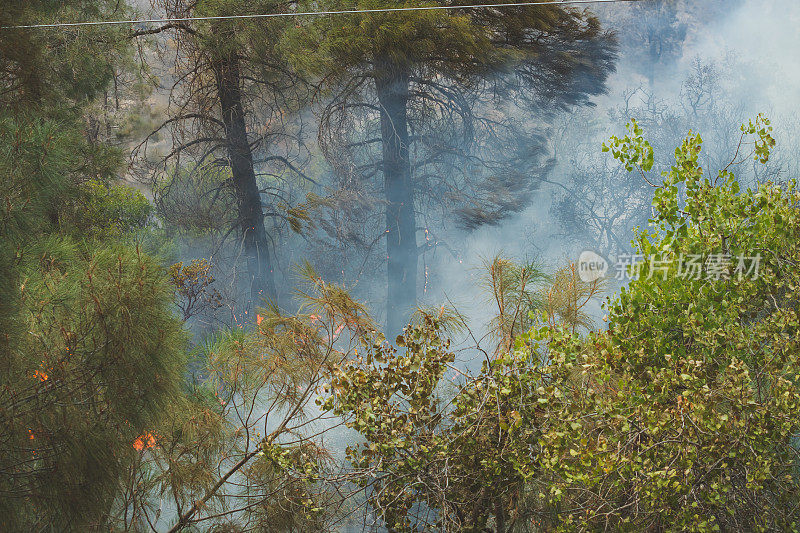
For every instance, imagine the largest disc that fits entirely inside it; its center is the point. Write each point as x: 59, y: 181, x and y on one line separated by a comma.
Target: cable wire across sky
x: 308, y: 14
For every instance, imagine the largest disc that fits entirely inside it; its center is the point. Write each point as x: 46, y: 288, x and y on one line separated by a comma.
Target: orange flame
x: 41, y: 374
x: 145, y: 441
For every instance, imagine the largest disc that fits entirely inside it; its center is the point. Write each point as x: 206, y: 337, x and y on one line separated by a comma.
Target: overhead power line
x: 307, y: 14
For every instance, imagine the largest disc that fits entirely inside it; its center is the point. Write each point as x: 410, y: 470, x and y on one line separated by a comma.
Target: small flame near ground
x: 145, y: 441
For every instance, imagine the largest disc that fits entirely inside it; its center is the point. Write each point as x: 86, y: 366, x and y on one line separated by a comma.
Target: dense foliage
x: 92, y: 351
x: 679, y: 417
x: 140, y: 391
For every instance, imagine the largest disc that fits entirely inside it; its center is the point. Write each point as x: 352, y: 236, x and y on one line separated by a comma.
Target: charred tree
x: 248, y: 196
x: 431, y: 102
x: 401, y: 238
x: 233, y: 161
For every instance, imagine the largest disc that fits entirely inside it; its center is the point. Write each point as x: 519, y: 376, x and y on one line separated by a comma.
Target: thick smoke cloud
x: 763, y: 37
x: 752, y: 45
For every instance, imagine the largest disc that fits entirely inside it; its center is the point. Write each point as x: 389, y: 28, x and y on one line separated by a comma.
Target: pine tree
x: 229, y: 108
x: 411, y: 70
x: 91, y: 349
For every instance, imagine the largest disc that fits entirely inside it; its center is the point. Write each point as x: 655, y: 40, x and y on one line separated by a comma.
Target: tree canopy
x: 422, y: 89
x: 147, y: 386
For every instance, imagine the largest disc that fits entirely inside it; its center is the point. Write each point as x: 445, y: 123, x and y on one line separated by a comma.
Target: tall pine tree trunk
x: 401, y: 243
x: 251, y: 216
